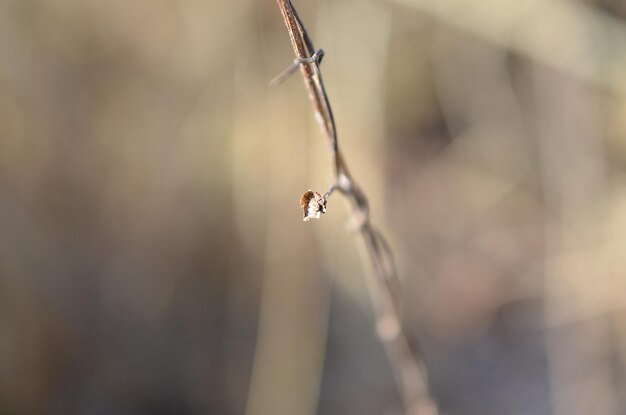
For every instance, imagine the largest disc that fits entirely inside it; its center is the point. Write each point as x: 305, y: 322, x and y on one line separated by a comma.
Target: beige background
x: 153, y: 257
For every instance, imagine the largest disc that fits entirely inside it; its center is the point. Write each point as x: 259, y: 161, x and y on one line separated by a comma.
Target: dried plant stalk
x: 409, y: 372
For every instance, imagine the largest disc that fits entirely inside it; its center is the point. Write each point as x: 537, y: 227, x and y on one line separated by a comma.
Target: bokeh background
x: 153, y: 258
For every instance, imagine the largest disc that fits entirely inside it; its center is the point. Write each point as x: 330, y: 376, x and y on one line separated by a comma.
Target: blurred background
x: 153, y: 258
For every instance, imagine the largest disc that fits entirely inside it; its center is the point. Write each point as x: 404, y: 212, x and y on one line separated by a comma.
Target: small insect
x: 313, y: 204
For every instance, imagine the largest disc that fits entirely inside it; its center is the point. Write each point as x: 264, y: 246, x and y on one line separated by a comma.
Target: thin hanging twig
x: 409, y: 372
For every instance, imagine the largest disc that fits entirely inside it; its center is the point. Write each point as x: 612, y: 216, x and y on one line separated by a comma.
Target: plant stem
x: 409, y: 372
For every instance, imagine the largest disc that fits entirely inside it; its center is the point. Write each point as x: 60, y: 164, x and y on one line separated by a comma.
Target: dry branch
x: 409, y: 372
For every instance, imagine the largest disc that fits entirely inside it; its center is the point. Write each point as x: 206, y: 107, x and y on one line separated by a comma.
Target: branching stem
x: 409, y: 371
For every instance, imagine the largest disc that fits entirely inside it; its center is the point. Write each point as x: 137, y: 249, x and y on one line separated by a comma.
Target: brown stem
x: 409, y: 372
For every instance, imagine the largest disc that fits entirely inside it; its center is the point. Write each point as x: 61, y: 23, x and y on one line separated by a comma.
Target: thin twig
x: 409, y: 372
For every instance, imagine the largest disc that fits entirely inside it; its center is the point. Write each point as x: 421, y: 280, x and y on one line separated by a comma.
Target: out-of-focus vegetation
x: 153, y: 257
